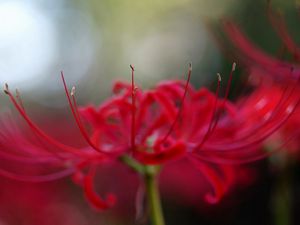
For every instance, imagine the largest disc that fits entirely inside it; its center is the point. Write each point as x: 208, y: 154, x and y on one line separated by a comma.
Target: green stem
x: 154, y: 203
x: 282, y: 199
x: 133, y: 164
x: 149, y: 174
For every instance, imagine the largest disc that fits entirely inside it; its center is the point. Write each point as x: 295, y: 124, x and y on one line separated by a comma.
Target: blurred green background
x: 94, y: 42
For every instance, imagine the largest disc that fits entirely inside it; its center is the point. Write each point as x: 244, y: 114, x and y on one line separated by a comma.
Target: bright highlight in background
x: 27, y: 43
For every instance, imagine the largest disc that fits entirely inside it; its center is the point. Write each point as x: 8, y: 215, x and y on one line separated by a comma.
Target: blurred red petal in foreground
x: 277, y: 79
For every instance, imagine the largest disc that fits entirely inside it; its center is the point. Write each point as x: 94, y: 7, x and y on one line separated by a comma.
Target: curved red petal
x: 219, y: 177
x: 96, y: 201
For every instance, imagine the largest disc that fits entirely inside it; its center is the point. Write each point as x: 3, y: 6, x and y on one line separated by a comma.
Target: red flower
x: 283, y: 76
x: 259, y: 61
x: 171, y: 121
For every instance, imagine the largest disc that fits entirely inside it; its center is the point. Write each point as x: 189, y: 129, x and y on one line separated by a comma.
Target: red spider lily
x: 158, y: 131
x: 210, y: 128
x: 262, y: 65
x: 171, y: 121
x: 258, y: 60
x: 174, y: 120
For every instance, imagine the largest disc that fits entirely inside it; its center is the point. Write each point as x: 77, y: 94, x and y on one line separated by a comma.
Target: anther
x: 6, y: 90
x: 219, y: 77
x: 190, y: 67
x: 73, y: 91
x: 135, y: 90
x: 18, y: 93
x: 18, y: 97
x: 233, y: 66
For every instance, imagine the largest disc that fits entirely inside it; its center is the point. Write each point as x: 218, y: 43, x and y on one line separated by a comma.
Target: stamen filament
x: 37, y: 130
x: 281, y: 106
x: 80, y: 124
x: 181, y: 104
x: 240, y: 160
x: 225, y: 97
x: 75, y: 114
x: 267, y: 133
x: 133, y: 109
x: 206, y: 135
x: 18, y: 96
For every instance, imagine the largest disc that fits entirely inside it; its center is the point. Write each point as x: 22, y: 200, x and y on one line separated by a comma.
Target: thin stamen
x: 225, y: 97
x: 212, y: 115
x: 238, y: 159
x: 80, y: 124
x: 286, y: 95
x: 133, y: 109
x: 181, y: 104
x: 275, y: 112
x: 267, y: 133
x: 75, y: 114
x: 18, y: 97
x: 35, y: 128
